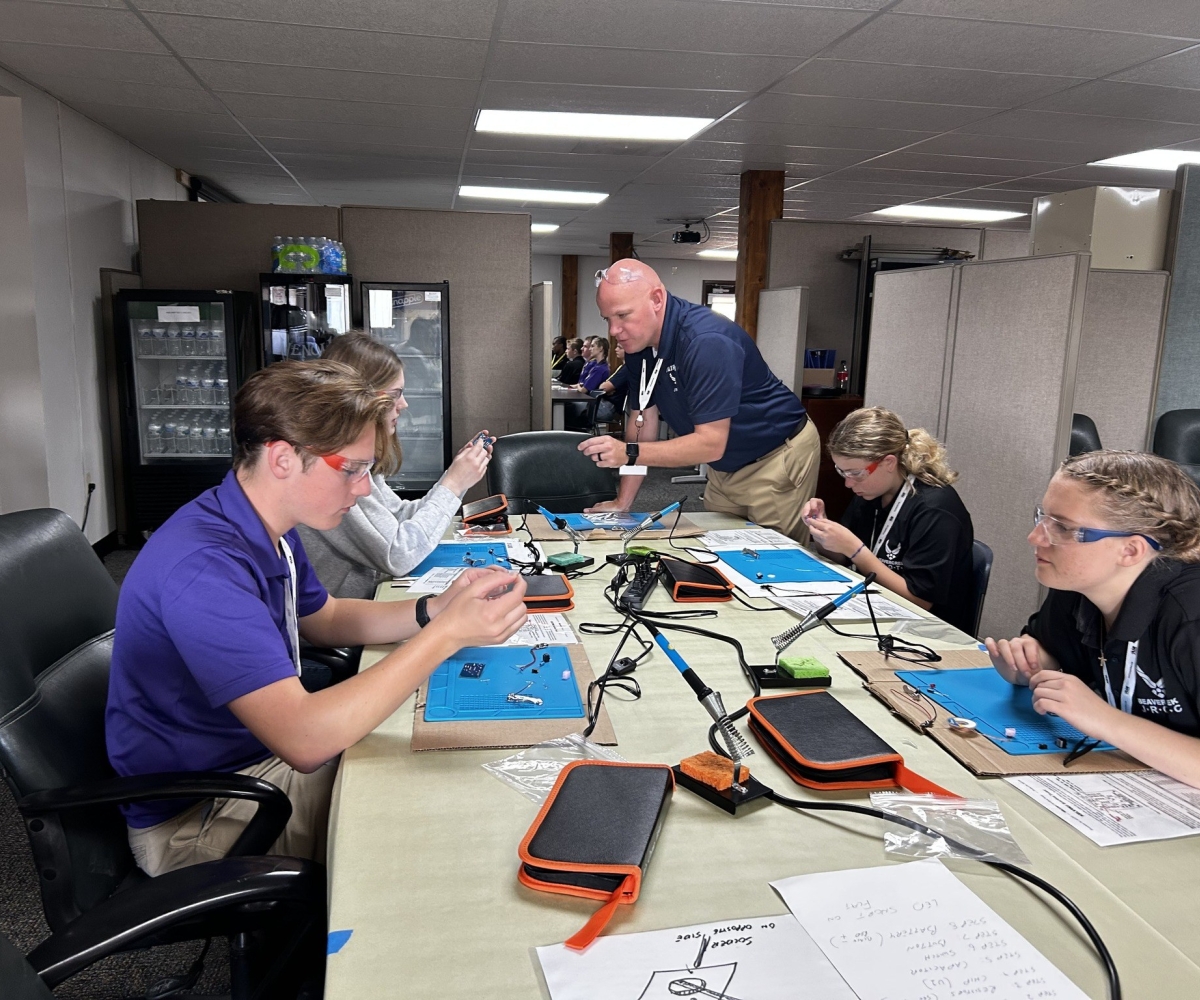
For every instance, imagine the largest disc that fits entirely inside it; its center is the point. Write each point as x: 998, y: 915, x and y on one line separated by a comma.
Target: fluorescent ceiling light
x: 947, y: 213
x: 1152, y: 159
x: 549, y: 197
x: 542, y: 227
x: 727, y: 254
x: 575, y: 125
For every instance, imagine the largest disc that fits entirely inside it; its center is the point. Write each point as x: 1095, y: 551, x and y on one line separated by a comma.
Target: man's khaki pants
x: 206, y: 831
x: 772, y: 490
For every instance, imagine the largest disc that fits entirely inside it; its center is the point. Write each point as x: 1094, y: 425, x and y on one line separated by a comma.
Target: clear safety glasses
x: 1058, y: 533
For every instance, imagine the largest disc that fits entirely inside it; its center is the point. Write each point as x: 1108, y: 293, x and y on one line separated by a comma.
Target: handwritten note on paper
x: 756, y: 958
x: 915, y: 932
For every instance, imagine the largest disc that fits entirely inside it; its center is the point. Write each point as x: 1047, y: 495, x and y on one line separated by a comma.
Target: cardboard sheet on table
x: 995, y: 706
x: 517, y: 734
x: 975, y: 752
x: 543, y: 532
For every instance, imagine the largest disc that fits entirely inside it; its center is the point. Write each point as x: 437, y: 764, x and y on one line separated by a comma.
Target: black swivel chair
x: 981, y: 569
x: 1084, y: 435
x: 547, y: 468
x: 581, y: 416
x: 1177, y: 437
x: 57, y: 610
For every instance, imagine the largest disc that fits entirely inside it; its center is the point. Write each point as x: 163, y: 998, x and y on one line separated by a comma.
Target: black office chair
x: 981, y: 569
x: 547, y: 468
x: 57, y: 610
x: 1177, y: 437
x: 1084, y: 435
x: 581, y: 416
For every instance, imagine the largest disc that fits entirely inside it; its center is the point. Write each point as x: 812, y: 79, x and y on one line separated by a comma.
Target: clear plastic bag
x: 533, y: 772
x: 978, y: 823
x: 925, y: 629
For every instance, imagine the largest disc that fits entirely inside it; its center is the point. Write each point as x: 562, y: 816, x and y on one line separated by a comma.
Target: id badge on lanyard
x: 291, y: 601
x: 905, y: 492
x: 1127, y: 683
x: 645, y: 392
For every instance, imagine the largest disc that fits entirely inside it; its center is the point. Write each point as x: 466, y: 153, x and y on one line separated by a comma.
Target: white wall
x: 82, y: 182
x: 548, y: 267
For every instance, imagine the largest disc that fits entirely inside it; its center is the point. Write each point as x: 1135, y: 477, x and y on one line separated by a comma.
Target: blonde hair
x: 873, y: 433
x: 1144, y: 494
x: 320, y: 406
x: 380, y: 367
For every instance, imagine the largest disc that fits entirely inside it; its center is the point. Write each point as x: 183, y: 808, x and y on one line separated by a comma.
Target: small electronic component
x: 471, y: 670
x: 750, y: 553
x: 961, y: 724
x: 1010, y: 732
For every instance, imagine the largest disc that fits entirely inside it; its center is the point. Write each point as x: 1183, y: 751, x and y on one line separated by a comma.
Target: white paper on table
x: 911, y: 931
x: 1122, y: 808
x: 379, y: 308
x: 757, y: 958
x: 748, y: 538
x: 551, y: 629
x: 520, y: 551
x: 854, y: 609
x: 434, y: 581
x: 830, y: 588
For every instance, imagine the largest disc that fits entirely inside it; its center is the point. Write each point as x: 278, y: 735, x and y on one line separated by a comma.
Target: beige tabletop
x: 423, y: 846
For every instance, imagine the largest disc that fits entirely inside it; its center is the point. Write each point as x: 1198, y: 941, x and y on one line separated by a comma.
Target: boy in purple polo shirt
x: 205, y: 659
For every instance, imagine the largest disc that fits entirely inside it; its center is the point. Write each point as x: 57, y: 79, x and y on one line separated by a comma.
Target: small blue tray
x: 781, y: 566
x: 459, y: 690
x: 466, y: 555
x: 982, y: 695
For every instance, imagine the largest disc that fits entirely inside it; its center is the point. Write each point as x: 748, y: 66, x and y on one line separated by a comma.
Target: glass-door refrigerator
x: 414, y: 321
x: 181, y: 356
x: 301, y: 313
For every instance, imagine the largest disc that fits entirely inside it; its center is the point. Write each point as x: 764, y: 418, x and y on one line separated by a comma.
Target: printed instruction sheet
x: 756, y: 958
x: 1125, y: 808
x: 544, y: 629
x: 854, y: 609
x: 910, y: 931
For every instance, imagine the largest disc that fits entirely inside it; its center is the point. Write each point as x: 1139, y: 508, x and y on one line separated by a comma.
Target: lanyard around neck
x: 646, y: 390
x: 1127, y: 683
x: 291, y: 600
x: 905, y: 492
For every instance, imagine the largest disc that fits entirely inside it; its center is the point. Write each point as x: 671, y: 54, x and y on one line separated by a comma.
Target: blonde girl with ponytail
x: 1115, y: 648
x: 906, y: 523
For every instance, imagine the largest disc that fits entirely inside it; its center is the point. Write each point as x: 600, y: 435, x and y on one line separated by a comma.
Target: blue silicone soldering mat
x: 453, y: 697
x: 458, y: 554
x: 611, y: 521
x: 982, y: 695
x: 780, y: 566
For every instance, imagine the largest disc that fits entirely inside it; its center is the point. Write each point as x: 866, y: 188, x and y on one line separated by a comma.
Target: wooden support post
x: 620, y: 246
x: 569, y: 298
x: 761, y: 201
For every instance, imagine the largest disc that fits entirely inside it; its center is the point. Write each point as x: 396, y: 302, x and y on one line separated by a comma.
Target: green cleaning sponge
x: 802, y: 667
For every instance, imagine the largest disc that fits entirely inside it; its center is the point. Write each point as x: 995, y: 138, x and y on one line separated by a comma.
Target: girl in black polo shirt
x: 906, y: 523
x: 1115, y: 648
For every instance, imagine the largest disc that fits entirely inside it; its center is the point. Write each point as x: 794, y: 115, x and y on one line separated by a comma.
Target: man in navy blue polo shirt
x: 707, y: 379
x: 206, y: 655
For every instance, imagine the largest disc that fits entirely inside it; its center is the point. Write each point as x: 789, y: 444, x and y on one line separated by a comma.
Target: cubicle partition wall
x: 541, y: 307
x: 1008, y: 415
x: 1118, y: 355
x: 782, y: 333
x: 912, y: 344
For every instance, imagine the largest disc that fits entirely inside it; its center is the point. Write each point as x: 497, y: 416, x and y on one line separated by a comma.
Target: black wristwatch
x: 422, y: 610
x: 631, y: 452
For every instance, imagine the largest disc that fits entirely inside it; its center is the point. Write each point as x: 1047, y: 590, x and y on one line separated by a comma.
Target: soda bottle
x: 843, y: 377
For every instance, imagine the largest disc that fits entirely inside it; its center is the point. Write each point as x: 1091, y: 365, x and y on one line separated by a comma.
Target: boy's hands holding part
x: 482, y: 607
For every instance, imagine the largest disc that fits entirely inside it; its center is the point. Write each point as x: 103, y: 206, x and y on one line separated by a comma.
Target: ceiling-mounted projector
x: 685, y: 236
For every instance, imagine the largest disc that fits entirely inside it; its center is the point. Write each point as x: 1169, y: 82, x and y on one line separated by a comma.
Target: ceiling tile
x: 337, y: 132
x: 873, y: 139
x: 330, y: 84
x: 348, y: 112
x: 451, y: 18
x: 963, y: 144
x: 1163, y: 17
x: 931, y: 178
x: 413, y: 192
x: 680, y: 25
x: 595, y: 161
x: 1179, y: 70
x: 330, y: 48
x: 778, y: 154
x: 1008, y: 48
x: 634, y: 67
x: 78, y: 91
x: 607, y: 100
x: 91, y: 27
x: 858, y: 113
x: 840, y: 78
x: 151, y: 121
x: 1127, y: 100
x: 1100, y: 133
x: 969, y: 165
x: 49, y: 63
x: 284, y: 147
x: 349, y: 169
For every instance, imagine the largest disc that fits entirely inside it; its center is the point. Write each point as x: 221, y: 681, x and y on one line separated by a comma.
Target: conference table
x: 560, y: 396
x: 423, y: 846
